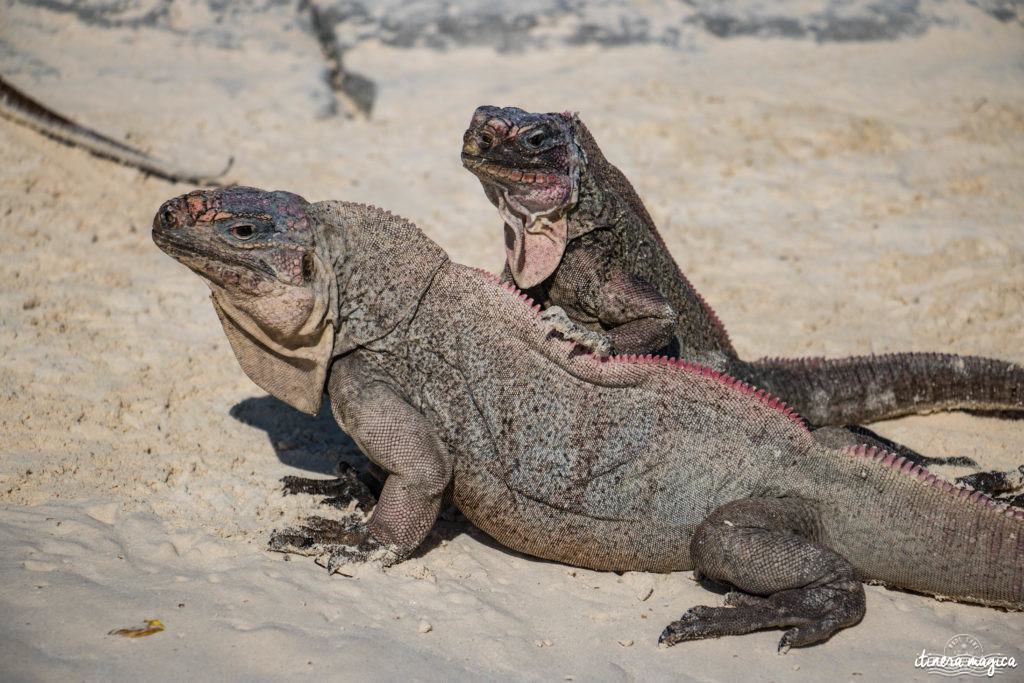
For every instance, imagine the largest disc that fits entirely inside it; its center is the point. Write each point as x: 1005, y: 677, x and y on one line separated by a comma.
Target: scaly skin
x: 20, y: 108
x: 579, y: 238
x: 455, y: 386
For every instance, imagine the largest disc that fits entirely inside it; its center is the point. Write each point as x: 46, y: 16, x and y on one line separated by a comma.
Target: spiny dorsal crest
x: 903, y: 466
x: 687, y: 366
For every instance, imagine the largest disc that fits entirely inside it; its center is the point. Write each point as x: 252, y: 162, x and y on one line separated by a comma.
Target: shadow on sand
x: 315, y: 444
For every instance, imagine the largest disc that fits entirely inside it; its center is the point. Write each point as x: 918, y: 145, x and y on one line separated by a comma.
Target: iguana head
x: 529, y: 165
x: 270, y: 282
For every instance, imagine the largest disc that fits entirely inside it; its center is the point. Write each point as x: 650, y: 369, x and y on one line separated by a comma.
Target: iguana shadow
x: 318, y: 445
x: 315, y: 444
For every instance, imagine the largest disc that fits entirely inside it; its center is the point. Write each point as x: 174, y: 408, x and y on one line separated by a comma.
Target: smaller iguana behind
x: 578, y: 240
x: 20, y: 108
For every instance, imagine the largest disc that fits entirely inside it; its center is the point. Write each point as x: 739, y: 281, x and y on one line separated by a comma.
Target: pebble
x: 105, y: 513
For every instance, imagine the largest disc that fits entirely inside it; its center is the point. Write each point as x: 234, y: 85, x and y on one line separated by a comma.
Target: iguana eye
x: 242, y: 231
x: 534, y: 139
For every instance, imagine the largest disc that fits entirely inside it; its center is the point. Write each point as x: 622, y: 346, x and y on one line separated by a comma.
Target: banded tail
x: 20, y: 108
x: 862, y: 389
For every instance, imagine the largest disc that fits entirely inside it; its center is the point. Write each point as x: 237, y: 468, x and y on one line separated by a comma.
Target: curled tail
x: 868, y: 388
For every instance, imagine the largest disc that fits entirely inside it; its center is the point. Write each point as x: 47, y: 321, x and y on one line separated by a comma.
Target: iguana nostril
x: 169, y: 218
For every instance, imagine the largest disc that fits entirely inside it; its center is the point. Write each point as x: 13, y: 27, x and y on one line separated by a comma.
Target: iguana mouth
x: 200, y: 258
x: 515, y: 175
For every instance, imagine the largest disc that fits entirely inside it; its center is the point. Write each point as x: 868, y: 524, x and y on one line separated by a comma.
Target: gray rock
x: 513, y: 25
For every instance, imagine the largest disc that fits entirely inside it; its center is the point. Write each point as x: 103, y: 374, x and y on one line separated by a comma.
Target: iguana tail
x: 862, y: 389
x: 928, y: 535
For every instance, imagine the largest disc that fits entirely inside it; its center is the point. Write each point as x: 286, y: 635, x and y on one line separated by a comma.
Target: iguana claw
x: 994, y: 482
x: 690, y: 626
x: 558, y: 319
x: 341, y: 492
x: 341, y: 542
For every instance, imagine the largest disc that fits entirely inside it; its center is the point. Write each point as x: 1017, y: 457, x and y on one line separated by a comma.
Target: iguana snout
x: 531, y: 156
x: 238, y: 238
x: 529, y: 167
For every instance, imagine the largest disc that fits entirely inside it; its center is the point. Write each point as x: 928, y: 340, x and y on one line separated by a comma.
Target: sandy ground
x: 826, y: 198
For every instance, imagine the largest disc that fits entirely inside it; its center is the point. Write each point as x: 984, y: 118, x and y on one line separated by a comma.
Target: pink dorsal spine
x: 710, y: 373
x: 725, y: 378
x: 903, y: 466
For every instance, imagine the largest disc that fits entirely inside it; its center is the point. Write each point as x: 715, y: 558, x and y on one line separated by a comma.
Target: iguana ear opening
x: 296, y: 375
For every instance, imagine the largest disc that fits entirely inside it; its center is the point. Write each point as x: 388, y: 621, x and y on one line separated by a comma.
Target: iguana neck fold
x: 595, y: 207
x: 382, y: 266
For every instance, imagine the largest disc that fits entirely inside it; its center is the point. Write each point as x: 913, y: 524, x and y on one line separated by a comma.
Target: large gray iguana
x: 455, y: 386
x: 578, y: 237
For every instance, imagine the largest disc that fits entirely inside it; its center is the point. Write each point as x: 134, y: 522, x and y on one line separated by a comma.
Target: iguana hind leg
x: 991, y: 482
x: 994, y: 482
x: 765, y: 548
x: 855, y: 435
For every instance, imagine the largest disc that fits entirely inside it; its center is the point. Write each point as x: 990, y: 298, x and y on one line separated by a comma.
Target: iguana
x: 455, y: 385
x: 577, y: 237
x: 20, y: 108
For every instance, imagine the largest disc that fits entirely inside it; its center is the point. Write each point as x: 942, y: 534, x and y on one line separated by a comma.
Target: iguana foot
x: 948, y: 461
x: 340, y: 492
x: 341, y: 543
x: 556, y: 317
x: 994, y: 482
x: 1016, y: 501
x: 811, y: 615
x: 785, y: 579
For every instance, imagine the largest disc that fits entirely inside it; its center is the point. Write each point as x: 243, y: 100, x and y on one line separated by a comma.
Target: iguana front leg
x: 560, y: 322
x: 396, y: 437
x: 596, y: 341
x: 764, y: 548
x: 632, y: 314
x: 340, y: 492
x: 636, y: 316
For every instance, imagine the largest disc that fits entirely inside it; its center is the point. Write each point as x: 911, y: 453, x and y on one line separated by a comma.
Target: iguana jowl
x: 455, y: 386
x: 578, y: 237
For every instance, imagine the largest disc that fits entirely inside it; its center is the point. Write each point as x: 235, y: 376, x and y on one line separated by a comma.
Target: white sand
x: 826, y: 199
